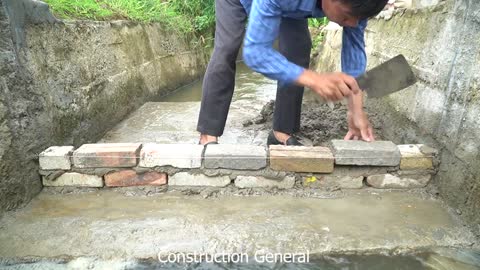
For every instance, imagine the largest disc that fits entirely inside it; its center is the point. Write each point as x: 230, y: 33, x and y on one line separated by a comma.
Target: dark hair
x: 364, y: 9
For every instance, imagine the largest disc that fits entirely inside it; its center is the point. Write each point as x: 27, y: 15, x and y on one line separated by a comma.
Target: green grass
x: 190, y: 16
x: 318, y: 34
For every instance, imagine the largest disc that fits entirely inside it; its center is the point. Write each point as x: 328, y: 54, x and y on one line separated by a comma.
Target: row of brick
x: 239, y: 157
x: 129, y: 178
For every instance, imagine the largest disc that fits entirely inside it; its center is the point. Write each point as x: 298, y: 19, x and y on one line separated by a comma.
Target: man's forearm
x: 355, y: 102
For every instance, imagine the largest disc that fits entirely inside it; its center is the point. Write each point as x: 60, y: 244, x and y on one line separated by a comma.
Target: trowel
x: 387, y: 78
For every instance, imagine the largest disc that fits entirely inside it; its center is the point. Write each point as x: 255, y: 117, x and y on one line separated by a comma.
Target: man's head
x: 349, y: 12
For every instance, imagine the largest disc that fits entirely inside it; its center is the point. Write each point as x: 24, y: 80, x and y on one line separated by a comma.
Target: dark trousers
x: 294, y: 43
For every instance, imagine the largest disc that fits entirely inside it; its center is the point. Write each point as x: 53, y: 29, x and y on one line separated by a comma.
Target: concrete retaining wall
x: 443, y: 108
x: 69, y: 82
x: 346, y: 165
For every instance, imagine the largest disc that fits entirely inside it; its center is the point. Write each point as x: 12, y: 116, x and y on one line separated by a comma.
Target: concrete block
x: 128, y: 178
x: 74, y: 180
x: 262, y: 182
x: 412, y: 158
x: 113, y: 155
x: 301, y: 159
x: 176, y: 155
x: 378, y: 153
x: 241, y: 157
x: 187, y: 179
x: 56, y: 158
x: 384, y: 181
x: 330, y: 181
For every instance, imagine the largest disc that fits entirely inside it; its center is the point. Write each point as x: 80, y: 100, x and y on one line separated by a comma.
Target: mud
x: 109, y: 225
x: 437, y: 259
x: 319, y: 122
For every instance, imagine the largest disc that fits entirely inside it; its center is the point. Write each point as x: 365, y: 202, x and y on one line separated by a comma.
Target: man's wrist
x: 306, y: 79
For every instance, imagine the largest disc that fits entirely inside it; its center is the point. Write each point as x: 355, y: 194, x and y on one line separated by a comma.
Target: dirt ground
x: 319, y: 122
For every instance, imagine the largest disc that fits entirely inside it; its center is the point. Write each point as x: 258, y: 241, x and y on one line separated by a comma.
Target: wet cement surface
x: 110, y: 225
x: 174, y: 120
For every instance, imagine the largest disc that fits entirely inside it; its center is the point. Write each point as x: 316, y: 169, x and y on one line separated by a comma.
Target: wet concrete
x: 320, y: 123
x: 174, y: 120
x: 109, y: 225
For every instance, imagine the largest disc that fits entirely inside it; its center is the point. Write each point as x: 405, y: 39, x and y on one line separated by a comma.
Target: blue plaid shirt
x: 263, y: 29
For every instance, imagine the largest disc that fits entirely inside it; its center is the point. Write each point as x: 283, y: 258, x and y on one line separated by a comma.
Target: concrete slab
x: 377, y: 153
x: 109, y: 225
x: 231, y: 156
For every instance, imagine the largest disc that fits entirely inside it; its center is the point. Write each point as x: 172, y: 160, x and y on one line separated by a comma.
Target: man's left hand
x: 359, y: 128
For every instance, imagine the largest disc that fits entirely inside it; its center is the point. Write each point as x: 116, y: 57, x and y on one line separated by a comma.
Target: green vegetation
x: 318, y: 22
x: 318, y: 35
x: 189, y: 16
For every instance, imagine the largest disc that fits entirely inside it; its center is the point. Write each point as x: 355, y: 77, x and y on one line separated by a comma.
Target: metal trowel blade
x: 389, y: 77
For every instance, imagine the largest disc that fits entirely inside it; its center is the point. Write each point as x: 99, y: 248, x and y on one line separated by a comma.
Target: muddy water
x: 174, y: 118
x: 249, y: 86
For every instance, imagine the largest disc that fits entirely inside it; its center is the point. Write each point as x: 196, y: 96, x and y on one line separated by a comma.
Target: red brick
x: 112, y: 155
x: 128, y: 178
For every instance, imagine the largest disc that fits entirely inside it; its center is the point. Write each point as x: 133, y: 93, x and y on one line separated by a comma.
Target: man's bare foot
x: 204, y: 139
x: 281, y: 137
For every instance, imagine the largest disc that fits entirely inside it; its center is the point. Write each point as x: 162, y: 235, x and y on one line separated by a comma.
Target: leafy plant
x: 188, y: 16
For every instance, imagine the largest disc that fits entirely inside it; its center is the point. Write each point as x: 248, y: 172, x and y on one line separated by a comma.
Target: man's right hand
x: 330, y: 86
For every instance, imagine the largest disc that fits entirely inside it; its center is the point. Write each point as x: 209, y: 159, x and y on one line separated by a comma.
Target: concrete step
x: 110, y: 225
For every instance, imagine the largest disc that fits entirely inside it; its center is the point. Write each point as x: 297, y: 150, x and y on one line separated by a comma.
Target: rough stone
x: 413, y: 158
x: 348, y: 177
x: 56, y: 158
x: 176, y: 155
x: 187, y: 179
x: 127, y: 178
x: 75, y: 180
x: 400, y: 182
x: 332, y: 182
x: 301, y: 159
x: 107, y: 155
x: 378, y: 153
x: 262, y: 182
x: 241, y: 157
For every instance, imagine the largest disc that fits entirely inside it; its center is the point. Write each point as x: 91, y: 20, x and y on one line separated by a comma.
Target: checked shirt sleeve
x: 354, y: 58
x: 258, y: 51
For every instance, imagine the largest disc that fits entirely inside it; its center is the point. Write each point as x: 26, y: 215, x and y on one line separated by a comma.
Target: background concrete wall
x: 67, y: 83
x: 442, y: 43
